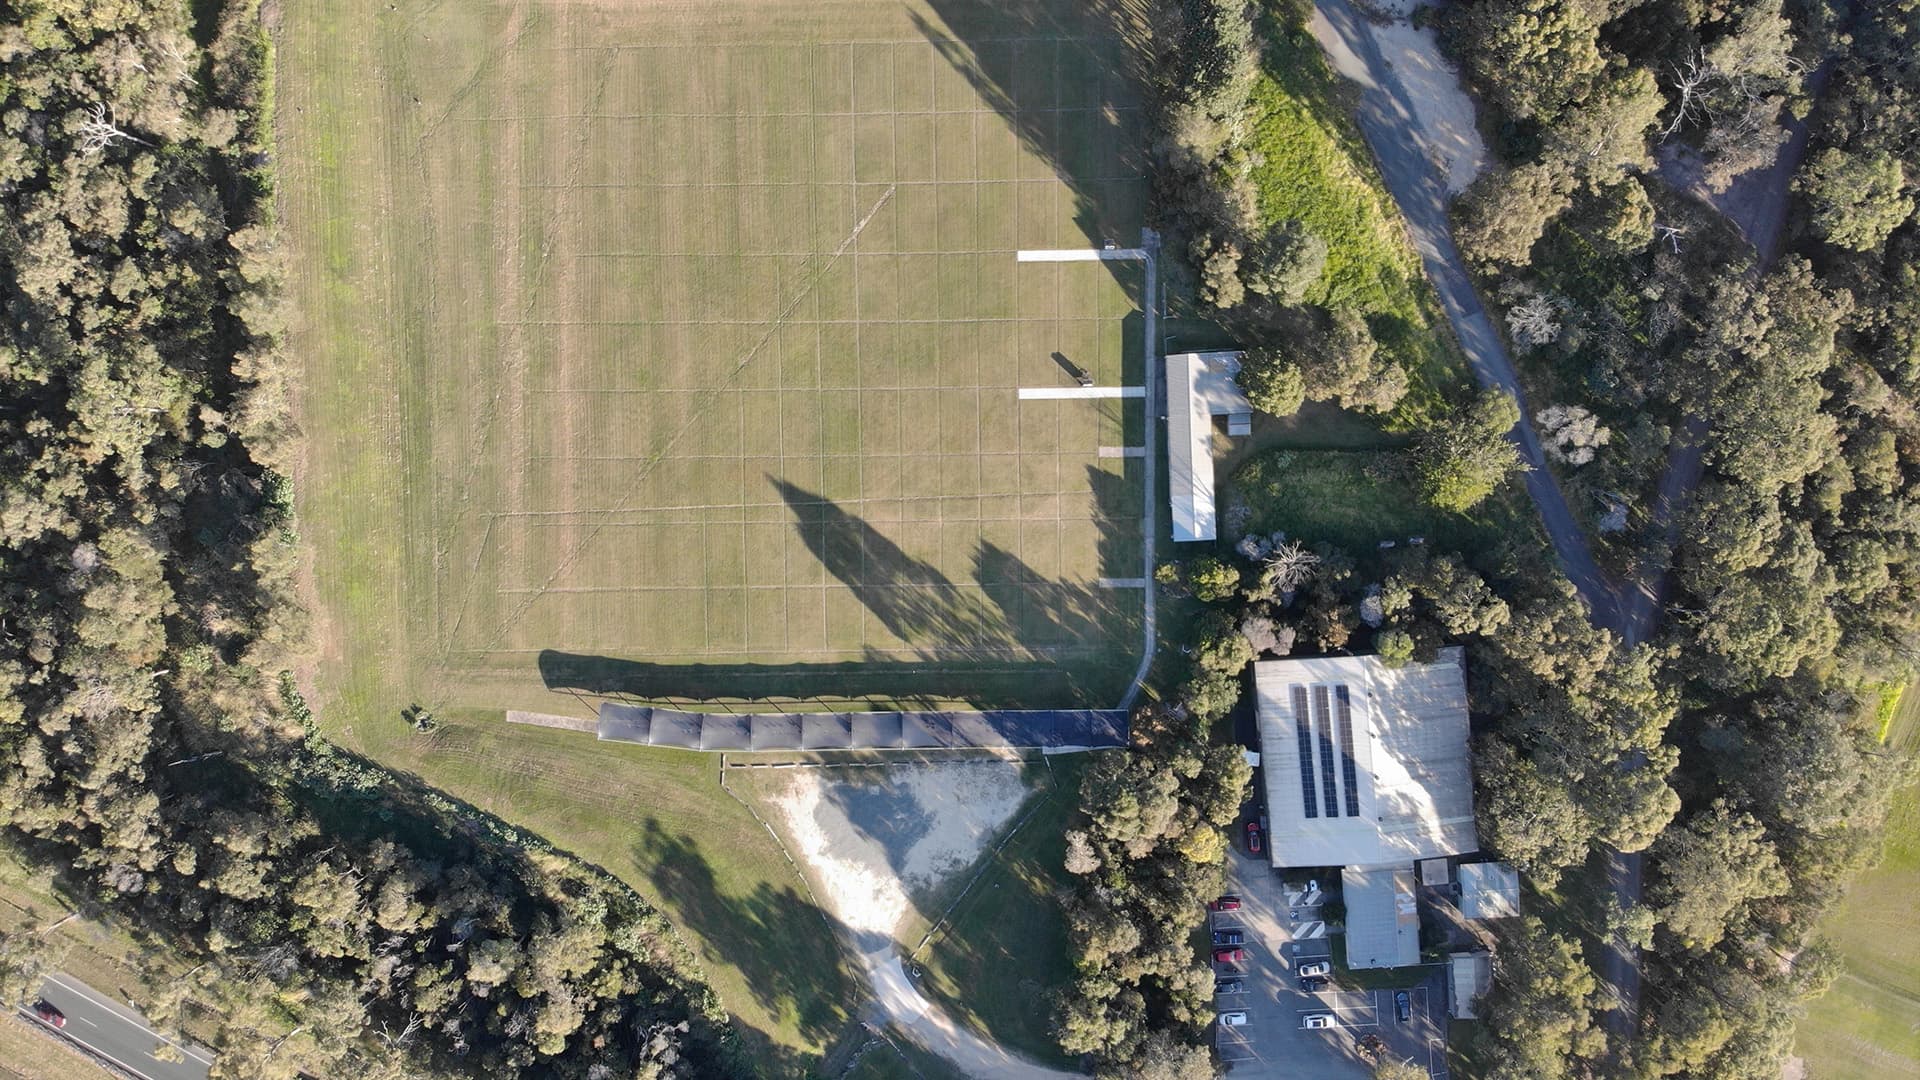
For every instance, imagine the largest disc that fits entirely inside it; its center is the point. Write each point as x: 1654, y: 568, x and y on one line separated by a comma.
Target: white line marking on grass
x: 1080, y: 255
x: 1066, y: 393
x: 1122, y: 583
x: 697, y: 416
x: 1123, y: 451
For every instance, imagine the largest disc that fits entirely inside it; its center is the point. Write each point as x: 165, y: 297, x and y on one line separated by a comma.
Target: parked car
x: 1253, y: 837
x: 1318, y: 967
x: 1228, y: 937
x: 1403, y: 1006
x: 49, y: 1015
x: 1233, y: 1019
x: 1229, y: 956
x: 1230, y: 986
x: 1225, y: 903
x: 1313, y: 983
x: 1319, y: 1020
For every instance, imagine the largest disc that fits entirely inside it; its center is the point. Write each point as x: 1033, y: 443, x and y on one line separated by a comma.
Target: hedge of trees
x: 345, y: 922
x: 1794, y: 581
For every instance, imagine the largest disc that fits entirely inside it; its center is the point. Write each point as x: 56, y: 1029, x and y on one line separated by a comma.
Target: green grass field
x: 670, y: 351
x: 1357, y: 498
x: 1868, y: 1024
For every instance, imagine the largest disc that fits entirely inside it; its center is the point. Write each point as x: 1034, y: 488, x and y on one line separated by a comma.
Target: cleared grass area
x: 670, y: 351
x: 1868, y: 1024
x: 1358, y: 498
x: 998, y: 961
x: 1313, y: 166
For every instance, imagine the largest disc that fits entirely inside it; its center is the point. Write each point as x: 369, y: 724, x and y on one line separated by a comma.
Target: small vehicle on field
x: 1233, y: 1019
x: 1403, y: 1006
x: 1253, y: 837
x: 1319, y: 1020
x: 1229, y: 956
x: 1318, y: 967
x: 1313, y: 983
x: 1228, y: 937
x: 1225, y: 903
x: 1230, y: 986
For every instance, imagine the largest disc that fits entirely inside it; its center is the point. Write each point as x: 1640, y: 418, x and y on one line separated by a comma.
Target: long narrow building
x: 1200, y: 386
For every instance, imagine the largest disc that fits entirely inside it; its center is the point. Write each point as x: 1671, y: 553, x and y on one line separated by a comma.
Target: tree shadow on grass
x: 784, y: 946
x: 1069, y: 78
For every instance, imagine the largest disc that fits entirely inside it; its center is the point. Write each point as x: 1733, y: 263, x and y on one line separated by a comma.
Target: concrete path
x: 1416, y: 177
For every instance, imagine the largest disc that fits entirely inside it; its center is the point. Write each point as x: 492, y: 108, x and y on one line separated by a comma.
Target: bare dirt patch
x: 884, y: 844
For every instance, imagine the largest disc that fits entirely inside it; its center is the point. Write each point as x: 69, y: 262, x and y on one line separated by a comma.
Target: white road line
x: 1065, y: 393
x: 1080, y: 255
x: 125, y: 1014
x: 1123, y: 451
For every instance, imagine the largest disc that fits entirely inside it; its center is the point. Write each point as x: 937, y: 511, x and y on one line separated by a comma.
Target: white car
x: 1233, y: 1019
x: 1319, y: 1020
x: 1318, y: 967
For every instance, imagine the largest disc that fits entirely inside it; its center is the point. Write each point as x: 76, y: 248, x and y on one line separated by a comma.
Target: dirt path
x: 878, y: 843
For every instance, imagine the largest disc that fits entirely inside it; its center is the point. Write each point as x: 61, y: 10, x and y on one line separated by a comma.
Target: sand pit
x: 882, y: 843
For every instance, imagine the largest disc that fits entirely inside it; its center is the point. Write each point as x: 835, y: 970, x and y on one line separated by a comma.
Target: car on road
x: 1230, y: 986
x: 1319, y: 1020
x: 1228, y: 937
x: 1318, y: 967
x: 1225, y: 903
x: 1229, y: 956
x: 1253, y: 837
x: 1233, y: 1019
x: 1403, y: 1006
x: 48, y: 1015
x: 1312, y: 983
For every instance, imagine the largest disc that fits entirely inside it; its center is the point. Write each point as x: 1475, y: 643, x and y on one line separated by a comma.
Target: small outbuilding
x: 1472, y: 977
x: 1489, y: 890
x: 1200, y: 386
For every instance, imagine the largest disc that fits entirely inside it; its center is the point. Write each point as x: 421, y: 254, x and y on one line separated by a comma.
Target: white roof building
x: 1200, y: 386
x: 1489, y: 890
x: 1365, y: 765
x: 1383, y: 917
x: 1472, y: 977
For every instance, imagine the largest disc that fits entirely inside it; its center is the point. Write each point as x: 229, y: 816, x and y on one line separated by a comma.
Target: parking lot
x: 1282, y: 933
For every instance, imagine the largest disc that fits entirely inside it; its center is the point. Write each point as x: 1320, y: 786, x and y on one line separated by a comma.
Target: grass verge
x: 1358, y: 498
x: 1313, y: 166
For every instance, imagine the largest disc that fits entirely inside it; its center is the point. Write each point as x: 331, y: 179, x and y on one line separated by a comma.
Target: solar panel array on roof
x: 1329, y: 787
x: 1345, y: 719
x: 1058, y: 729
x: 1303, y: 732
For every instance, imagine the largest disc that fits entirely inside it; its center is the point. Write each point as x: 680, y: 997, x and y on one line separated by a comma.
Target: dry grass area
x: 27, y: 1054
x: 670, y: 350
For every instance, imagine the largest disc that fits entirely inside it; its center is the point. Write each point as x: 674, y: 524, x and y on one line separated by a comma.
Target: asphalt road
x: 1416, y: 179
x: 117, y: 1033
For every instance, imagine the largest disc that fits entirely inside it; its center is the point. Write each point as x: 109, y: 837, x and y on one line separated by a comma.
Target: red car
x: 1229, y: 956
x: 49, y: 1015
x: 1253, y: 837
x: 1225, y: 903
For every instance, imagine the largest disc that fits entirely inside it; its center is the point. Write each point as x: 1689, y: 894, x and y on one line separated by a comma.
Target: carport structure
x: 1054, y: 730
